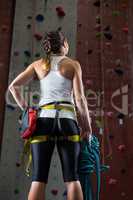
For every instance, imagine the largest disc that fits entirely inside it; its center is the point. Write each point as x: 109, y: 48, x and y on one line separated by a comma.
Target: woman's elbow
x: 11, y: 87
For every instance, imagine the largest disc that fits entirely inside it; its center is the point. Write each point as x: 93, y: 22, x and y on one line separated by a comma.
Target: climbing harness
x: 45, y: 138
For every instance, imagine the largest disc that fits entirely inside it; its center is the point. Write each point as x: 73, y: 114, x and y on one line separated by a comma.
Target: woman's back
x: 57, y: 84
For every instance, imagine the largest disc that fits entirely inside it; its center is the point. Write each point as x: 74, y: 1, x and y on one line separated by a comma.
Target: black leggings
x: 68, y: 150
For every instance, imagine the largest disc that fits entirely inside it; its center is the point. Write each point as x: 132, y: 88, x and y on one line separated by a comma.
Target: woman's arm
x: 19, y: 81
x: 81, y: 101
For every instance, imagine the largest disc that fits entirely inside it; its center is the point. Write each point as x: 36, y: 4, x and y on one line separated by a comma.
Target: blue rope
x: 89, y: 163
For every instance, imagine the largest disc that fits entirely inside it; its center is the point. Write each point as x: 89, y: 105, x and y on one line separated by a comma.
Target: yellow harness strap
x: 64, y: 107
x: 38, y: 139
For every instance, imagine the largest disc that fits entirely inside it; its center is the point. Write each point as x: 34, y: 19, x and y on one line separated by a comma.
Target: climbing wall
x: 104, y: 49
x: 32, y: 19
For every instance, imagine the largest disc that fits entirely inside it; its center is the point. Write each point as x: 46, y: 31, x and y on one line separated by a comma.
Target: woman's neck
x: 59, y: 54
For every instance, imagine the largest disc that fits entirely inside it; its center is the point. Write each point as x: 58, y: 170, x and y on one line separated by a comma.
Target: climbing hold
x: 46, y: 1
x: 107, y: 33
x: 90, y: 51
x: 89, y: 82
x: 116, y: 13
x: 123, y: 194
x: 28, y: 26
x: 29, y: 17
x: 101, y: 131
x: 112, y: 181
x: 118, y: 62
x: 121, y: 147
x: 17, y: 164
x: 99, y: 124
x: 108, y: 44
x: 16, y: 53
x: 111, y: 136
x: 40, y: 18
x: 54, y: 191
x: 16, y: 191
x: 123, y: 171
x: 35, y: 97
x: 97, y: 3
x: 79, y: 25
x: 98, y: 34
x: 38, y: 36
x: 119, y: 71
x: 98, y: 19
x: 98, y: 27
x: 120, y: 116
x: 37, y: 55
x: 124, y: 5
x: 4, y: 28
x: 125, y: 29
x: 109, y: 114
x: 60, y: 11
x: 27, y: 53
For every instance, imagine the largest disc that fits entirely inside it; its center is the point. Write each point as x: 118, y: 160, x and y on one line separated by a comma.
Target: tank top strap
x: 55, y: 60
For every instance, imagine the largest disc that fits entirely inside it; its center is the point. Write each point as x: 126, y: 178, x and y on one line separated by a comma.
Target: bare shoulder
x: 73, y: 61
x: 37, y: 62
x: 76, y: 64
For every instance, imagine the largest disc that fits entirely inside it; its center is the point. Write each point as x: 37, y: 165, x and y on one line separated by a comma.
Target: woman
x: 60, y: 77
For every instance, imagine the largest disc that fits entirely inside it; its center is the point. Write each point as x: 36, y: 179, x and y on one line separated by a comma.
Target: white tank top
x: 56, y: 87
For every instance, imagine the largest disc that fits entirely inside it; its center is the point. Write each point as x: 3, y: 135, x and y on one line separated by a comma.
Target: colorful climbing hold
x: 27, y: 53
x: 119, y: 71
x: 98, y: 27
x: 118, y: 62
x: 98, y: 34
x: 90, y: 51
x: 16, y: 53
x: 17, y: 164
x: 28, y: 26
x: 16, y: 191
x: 40, y: 18
x: 89, y: 82
x: 111, y: 136
x: 98, y: 19
x: 123, y: 171
x: 97, y: 3
x: 108, y: 44
x: 108, y: 35
x: 38, y: 36
x: 37, y: 55
x: 121, y: 147
x: 54, y: 191
x: 79, y: 25
x: 116, y: 13
x: 29, y: 17
x: 4, y: 28
x: 112, y: 181
x: 125, y: 29
x: 60, y: 11
x: 109, y: 114
x: 121, y: 116
x: 99, y: 124
x: 123, y: 194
